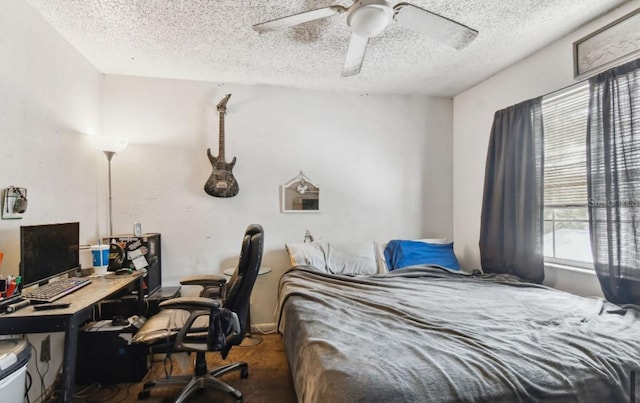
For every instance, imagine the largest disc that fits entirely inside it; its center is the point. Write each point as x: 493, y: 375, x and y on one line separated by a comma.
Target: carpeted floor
x: 269, y: 378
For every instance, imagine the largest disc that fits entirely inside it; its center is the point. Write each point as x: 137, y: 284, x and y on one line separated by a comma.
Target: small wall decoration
x: 610, y: 45
x: 300, y: 195
x: 14, y: 202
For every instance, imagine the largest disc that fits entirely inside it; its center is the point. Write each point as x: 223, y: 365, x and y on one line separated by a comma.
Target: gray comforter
x: 429, y: 335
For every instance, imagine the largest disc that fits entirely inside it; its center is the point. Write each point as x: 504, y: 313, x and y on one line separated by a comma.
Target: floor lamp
x: 110, y: 146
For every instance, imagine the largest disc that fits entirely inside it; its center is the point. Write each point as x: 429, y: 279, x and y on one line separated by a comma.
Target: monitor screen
x: 47, y: 251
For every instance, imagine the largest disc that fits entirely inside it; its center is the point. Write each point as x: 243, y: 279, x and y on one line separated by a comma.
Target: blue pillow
x: 399, y: 254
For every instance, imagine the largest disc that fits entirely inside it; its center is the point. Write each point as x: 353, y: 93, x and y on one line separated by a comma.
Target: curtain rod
x: 587, y: 79
x: 564, y: 89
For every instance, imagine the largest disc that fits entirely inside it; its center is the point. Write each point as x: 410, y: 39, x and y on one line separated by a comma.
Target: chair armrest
x: 198, y: 306
x: 205, y: 280
x: 213, y: 286
x: 190, y: 303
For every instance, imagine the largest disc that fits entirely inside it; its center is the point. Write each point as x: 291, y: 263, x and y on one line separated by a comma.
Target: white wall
x: 545, y: 71
x: 49, y: 101
x: 387, y: 165
x: 383, y: 164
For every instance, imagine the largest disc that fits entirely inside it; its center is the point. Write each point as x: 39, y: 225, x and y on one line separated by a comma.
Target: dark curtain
x: 511, y: 227
x: 613, y: 169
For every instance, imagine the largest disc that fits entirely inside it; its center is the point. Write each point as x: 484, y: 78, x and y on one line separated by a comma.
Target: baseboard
x: 263, y: 328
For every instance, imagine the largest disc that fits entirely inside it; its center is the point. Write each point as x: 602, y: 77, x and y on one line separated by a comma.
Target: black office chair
x: 202, y: 324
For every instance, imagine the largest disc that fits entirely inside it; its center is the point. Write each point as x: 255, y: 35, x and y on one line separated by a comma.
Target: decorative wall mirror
x: 300, y: 195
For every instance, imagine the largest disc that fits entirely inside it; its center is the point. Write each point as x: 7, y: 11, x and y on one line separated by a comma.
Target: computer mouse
x: 119, y: 321
x: 121, y: 272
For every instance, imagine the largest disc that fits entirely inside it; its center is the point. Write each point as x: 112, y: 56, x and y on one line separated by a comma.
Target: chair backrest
x: 240, y: 285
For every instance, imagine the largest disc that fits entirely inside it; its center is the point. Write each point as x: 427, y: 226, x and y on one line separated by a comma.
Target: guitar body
x: 221, y: 183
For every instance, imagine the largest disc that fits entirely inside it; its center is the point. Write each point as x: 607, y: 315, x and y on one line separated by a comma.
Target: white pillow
x: 352, y: 258
x: 308, y: 253
x: 381, y: 246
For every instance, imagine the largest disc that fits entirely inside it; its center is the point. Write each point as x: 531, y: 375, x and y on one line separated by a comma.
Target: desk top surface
x: 100, y: 288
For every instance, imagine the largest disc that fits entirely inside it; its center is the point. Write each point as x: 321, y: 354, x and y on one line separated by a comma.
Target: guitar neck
x: 221, y: 139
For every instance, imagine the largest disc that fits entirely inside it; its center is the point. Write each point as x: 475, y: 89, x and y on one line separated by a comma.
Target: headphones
x: 116, y: 257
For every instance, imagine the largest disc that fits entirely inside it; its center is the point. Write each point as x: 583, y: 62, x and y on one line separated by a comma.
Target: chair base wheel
x: 244, y: 373
x: 237, y: 395
x: 143, y: 395
x: 149, y: 384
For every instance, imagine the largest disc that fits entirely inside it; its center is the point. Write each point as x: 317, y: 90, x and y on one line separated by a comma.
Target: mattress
x: 426, y: 334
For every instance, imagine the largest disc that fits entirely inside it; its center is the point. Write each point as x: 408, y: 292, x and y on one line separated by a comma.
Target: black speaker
x: 105, y: 356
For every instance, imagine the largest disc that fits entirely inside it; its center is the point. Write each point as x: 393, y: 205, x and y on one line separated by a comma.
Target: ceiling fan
x: 367, y: 18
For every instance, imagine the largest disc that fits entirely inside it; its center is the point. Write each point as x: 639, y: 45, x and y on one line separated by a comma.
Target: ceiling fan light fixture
x: 367, y: 18
x: 370, y: 18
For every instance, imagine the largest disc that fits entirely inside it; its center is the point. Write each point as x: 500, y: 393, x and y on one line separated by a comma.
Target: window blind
x: 565, y: 147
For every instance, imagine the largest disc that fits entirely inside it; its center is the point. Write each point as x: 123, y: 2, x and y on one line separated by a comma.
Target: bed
x: 429, y: 334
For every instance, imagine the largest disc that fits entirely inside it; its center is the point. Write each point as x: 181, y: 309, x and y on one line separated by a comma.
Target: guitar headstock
x: 222, y: 105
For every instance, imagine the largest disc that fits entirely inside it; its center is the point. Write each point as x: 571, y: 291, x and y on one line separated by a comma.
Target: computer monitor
x: 48, y: 251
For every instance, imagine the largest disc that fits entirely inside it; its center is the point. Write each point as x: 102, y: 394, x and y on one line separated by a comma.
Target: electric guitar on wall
x: 221, y: 183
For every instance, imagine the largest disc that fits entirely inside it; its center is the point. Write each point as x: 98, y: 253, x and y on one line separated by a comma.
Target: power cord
x: 87, y: 391
x: 126, y: 396
x: 46, y: 371
x: 92, y: 393
x: 167, y: 357
x: 113, y: 389
x: 27, y: 383
x: 42, y: 383
x: 45, y: 395
x: 257, y: 327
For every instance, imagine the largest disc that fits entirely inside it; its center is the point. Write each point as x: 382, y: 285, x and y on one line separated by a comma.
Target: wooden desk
x: 69, y: 320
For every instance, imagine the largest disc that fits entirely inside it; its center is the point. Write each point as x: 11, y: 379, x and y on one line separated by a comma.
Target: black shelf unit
x: 125, y: 248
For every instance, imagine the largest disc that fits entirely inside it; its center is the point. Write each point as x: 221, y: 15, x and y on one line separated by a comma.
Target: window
x: 566, y: 219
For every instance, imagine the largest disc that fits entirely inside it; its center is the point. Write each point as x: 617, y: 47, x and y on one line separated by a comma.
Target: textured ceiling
x: 212, y: 40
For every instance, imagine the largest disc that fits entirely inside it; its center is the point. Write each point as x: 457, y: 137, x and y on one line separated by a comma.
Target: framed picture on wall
x: 300, y: 195
x: 612, y: 44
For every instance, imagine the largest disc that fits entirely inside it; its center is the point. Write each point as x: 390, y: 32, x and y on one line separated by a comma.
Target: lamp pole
x: 109, y: 146
x: 110, y: 155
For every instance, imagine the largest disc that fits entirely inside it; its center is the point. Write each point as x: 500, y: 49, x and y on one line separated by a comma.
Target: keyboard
x: 55, y: 290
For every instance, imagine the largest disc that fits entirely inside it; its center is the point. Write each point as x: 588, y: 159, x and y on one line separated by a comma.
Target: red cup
x: 11, y: 287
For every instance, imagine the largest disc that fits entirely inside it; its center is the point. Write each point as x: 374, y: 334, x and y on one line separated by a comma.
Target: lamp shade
x: 110, y: 144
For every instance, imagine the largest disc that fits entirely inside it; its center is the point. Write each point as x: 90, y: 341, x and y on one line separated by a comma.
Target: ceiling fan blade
x: 355, y: 55
x: 434, y: 26
x: 299, y: 18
